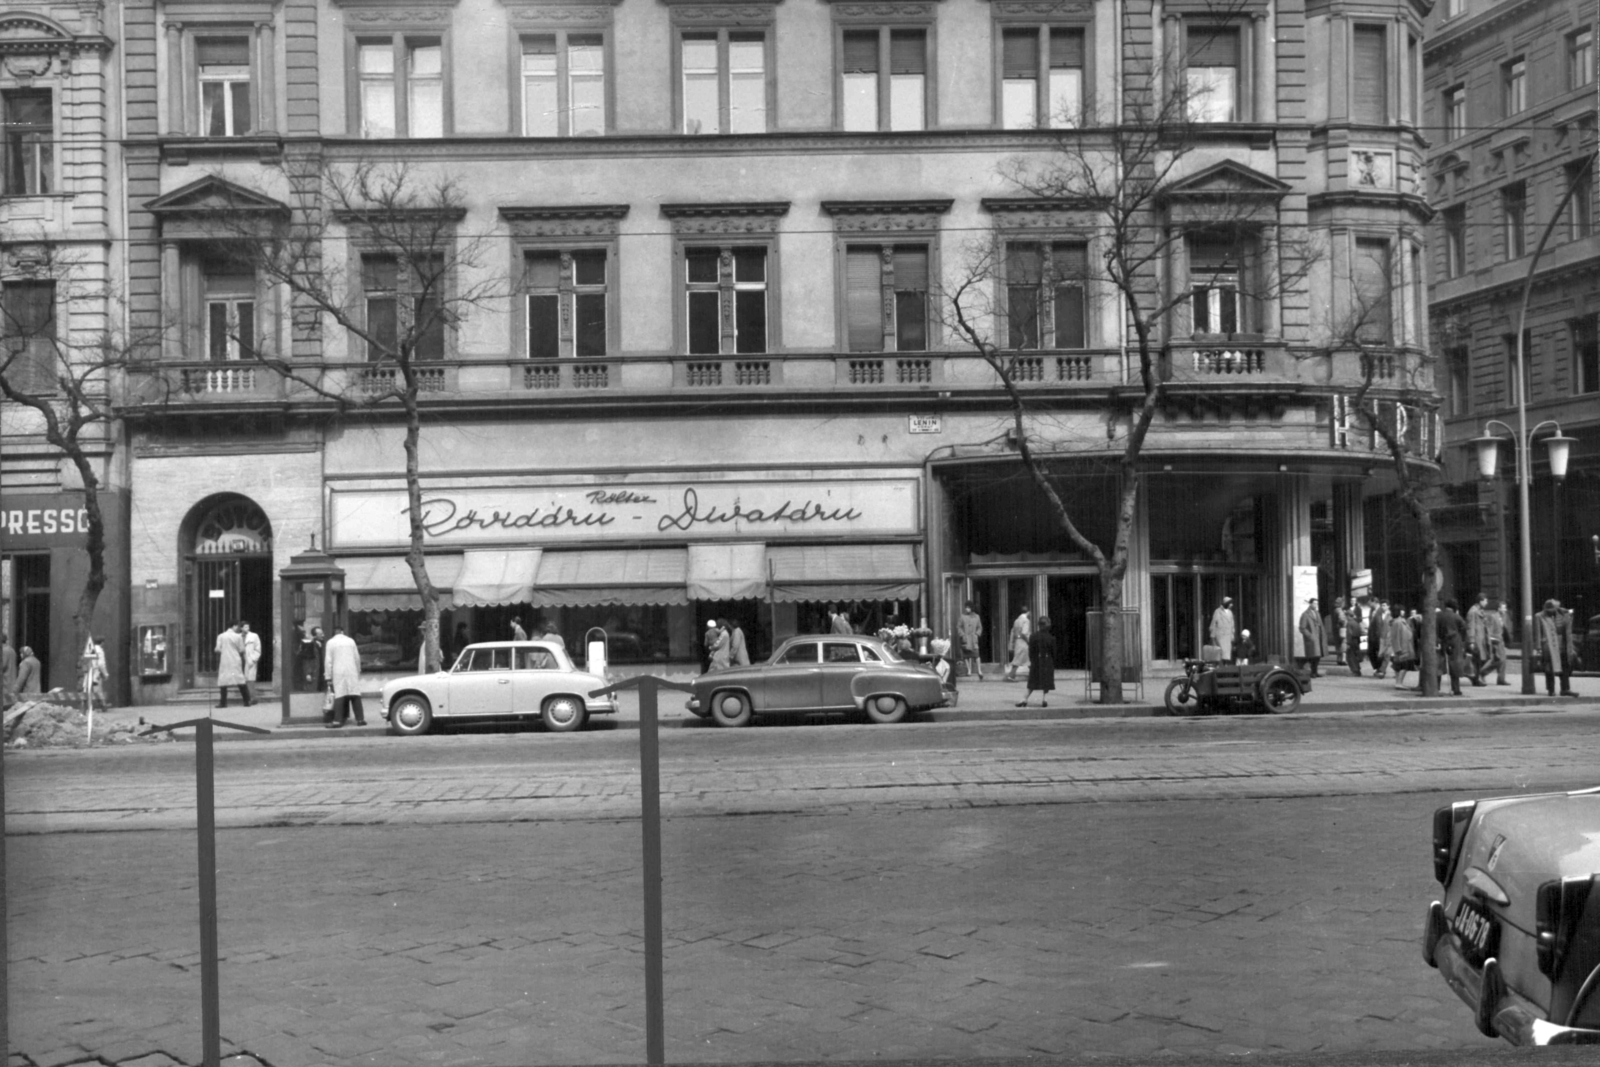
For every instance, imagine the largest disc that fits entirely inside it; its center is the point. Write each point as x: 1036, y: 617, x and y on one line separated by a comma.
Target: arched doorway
x: 227, y: 578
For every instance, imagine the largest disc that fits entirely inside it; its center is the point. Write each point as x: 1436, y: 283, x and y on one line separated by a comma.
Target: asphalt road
x: 1076, y: 889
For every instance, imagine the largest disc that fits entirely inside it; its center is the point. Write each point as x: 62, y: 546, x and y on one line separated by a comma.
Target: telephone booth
x: 313, y: 598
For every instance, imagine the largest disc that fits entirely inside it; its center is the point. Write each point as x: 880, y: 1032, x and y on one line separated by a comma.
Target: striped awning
x: 612, y: 576
x: 497, y: 576
x: 844, y: 572
x: 384, y: 583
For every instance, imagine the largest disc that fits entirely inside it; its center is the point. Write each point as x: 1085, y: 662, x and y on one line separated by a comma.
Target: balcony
x: 1254, y: 367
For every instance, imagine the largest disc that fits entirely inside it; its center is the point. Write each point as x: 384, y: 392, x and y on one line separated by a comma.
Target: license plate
x: 1478, y: 931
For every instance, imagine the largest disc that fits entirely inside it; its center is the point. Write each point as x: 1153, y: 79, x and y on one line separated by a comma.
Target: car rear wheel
x: 411, y: 715
x: 563, y: 714
x: 731, y: 709
x: 1180, y: 698
x: 1280, y: 693
x: 887, y: 709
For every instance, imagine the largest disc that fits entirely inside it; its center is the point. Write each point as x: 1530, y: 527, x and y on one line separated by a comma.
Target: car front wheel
x: 563, y: 714
x: 886, y: 709
x: 731, y: 709
x: 411, y: 715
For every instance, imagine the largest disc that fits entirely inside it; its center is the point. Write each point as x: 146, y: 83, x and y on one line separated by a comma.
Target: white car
x: 499, y: 679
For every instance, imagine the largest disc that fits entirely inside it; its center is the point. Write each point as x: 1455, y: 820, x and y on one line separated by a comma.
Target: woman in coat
x: 1018, y: 645
x: 1402, y: 647
x: 716, y: 646
x: 1041, y: 663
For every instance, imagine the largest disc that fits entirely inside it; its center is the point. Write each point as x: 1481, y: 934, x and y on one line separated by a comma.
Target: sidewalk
x: 991, y: 700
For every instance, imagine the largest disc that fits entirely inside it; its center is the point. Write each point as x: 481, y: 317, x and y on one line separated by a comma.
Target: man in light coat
x: 343, y: 668
x: 1495, y: 625
x: 738, y: 651
x: 1221, y: 629
x: 1021, y: 630
x: 252, y: 656
x: 1313, y: 640
x: 230, y: 666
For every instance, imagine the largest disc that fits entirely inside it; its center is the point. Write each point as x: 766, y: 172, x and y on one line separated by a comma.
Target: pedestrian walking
x: 1378, y: 640
x: 716, y: 647
x: 1041, y: 664
x: 1334, y: 628
x: 252, y: 657
x: 1496, y: 623
x: 343, y: 668
x: 229, y: 649
x: 1021, y: 630
x: 517, y: 632
x: 1355, y: 637
x: 29, y: 675
x: 8, y: 672
x: 548, y: 632
x: 1478, y: 637
x: 969, y: 631
x: 738, y: 651
x: 939, y: 659
x: 1221, y: 629
x: 1452, y: 632
x: 1402, y: 647
x: 1313, y: 637
x: 1557, y: 649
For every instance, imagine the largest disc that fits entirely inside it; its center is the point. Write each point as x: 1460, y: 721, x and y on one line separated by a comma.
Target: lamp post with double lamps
x: 1560, y: 447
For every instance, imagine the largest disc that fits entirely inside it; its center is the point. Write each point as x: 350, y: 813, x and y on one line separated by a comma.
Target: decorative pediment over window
x: 29, y: 44
x: 885, y: 216
x: 194, y: 211
x: 885, y: 10
x: 721, y: 13
x: 1227, y: 180
x: 573, y: 220
x: 389, y: 13
x: 561, y: 14
x: 754, y: 217
x: 1038, y: 213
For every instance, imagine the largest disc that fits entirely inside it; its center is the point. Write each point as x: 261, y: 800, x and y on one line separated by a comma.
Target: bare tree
x: 1406, y: 433
x: 1130, y: 186
x: 413, y: 280
x: 62, y: 380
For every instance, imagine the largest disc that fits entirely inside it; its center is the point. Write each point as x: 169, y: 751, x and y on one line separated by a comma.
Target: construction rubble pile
x: 57, y: 720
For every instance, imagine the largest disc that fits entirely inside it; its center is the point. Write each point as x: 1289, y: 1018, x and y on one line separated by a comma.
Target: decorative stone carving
x: 885, y: 10
x: 1372, y: 170
x: 582, y: 220
x: 885, y: 216
x: 756, y: 217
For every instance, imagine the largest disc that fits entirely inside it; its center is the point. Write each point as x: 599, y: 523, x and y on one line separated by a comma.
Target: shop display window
x: 392, y: 640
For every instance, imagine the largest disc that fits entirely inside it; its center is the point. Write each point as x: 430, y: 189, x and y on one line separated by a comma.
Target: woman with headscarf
x: 1041, y: 663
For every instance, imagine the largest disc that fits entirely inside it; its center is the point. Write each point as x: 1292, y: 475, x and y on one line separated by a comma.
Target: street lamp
x: 1560, y: 447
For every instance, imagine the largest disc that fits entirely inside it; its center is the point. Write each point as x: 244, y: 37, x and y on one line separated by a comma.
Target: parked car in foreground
x: 498, y: 679
x: 1517, y: 935
x: 826, y: 672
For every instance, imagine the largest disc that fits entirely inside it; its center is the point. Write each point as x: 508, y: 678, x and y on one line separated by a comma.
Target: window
x: 886, y: 298
x: 1454, y: 8
x: 724, y: 81
x: 1580, y: 58
x: 1455, y: 241
x: 1514, y: 211
x: 1041, y: 77
x: 1586, y: 354
x: 403, y: 308
x: 1045, y: 294
x: 28, y: 334
x: 1455, y: 112
x: 29, y: 143
x: 224, y: 70
x: 1510, y: 342
x: 563, y: 85
x: 715, y: 276
x: 804, y: 652
x: 1369, y: 86
x: 400, y: 87
x: 1514, y: 86
x: 1374, y: 286
x: 1411, y: 90
x: 230, y: 303
x: 1218, y: 277
x: 574, y: 283
x: 1580, y: 208
x: 1458, y: 363
x: 883, y: 79
x: 1212, y: 73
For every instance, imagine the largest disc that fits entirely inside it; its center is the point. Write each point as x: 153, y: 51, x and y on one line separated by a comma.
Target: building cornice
x: 1411, y: 203
x: 1456, y: 33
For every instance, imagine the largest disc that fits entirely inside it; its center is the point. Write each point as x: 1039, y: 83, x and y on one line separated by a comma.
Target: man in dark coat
x: 1453, y: 643
x: 1556, y: 649
x: 1041, y: 663
x: 1313, y: 639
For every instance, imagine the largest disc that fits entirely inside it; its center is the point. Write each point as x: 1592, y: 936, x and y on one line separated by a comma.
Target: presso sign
x: 38, y: 521
x: 664, y: 511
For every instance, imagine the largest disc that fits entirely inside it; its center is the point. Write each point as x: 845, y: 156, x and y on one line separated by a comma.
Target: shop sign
x: 631, y: 511
x: 924, y: 424
x: 41, y: 521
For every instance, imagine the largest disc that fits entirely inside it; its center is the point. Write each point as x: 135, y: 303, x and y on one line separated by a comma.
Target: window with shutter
x: 1020, y: 79
x: 543, y: 279
x: 1369, y: 95
x: 910, y: 299
x: 1065, y: 90
x: 908, y: 70
x: 883, y: 79
x: 1069, y: 267
x: 864, y: 299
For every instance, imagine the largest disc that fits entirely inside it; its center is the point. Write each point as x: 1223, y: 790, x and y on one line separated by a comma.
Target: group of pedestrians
x: 1471, y: 647
x: 20, y: 677
x: 725, y: 644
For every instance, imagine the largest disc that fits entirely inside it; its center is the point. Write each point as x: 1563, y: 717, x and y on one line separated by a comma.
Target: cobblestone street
x: 1222, y: 887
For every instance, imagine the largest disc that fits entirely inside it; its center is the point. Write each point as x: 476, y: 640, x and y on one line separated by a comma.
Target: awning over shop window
x: 497, y: 576
x: 612, y: 576
x: 727, y: 572
x: 844, y: 572
x: 384, y: 583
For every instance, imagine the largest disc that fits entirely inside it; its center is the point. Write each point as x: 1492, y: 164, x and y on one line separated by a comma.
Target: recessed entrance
x: 229, y: 578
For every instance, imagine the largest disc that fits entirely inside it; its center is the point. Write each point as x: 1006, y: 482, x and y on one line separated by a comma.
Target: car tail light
x: 1558, y: 906
x: 1446, y: 839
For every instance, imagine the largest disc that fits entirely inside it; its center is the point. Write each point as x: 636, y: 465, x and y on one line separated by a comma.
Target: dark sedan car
x: 1517, y: 935
x: 827, y: 672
